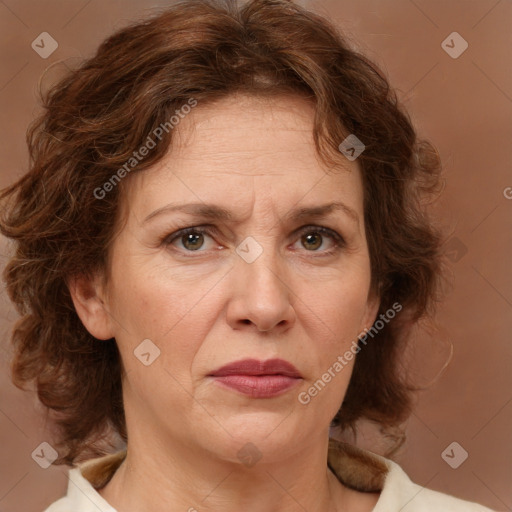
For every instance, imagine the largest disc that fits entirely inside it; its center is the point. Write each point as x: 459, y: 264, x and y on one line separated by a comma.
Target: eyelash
x: 338, y: 240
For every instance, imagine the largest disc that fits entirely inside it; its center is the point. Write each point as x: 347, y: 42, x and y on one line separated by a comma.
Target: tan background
x: 463, y: 105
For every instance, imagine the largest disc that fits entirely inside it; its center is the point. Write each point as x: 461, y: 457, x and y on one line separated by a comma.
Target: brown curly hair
x: 99, y: 113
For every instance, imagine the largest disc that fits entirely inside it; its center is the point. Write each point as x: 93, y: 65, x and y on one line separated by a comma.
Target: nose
x: 261, y: 296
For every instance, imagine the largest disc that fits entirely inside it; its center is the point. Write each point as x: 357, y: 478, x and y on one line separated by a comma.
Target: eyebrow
x: 215, y: 212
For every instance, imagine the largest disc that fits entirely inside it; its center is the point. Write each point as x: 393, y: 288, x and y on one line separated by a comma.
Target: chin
x: 266, y: 436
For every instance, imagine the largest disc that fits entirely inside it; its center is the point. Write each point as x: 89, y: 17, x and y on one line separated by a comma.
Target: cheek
x: 151, y: 298
x: 339, y: 316
x: 175, y: 315
x: 342, y: 307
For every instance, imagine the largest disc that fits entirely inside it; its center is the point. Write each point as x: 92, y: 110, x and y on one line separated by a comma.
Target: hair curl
x: 98, y: 114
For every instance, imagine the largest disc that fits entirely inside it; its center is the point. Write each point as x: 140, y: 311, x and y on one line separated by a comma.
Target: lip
x: 258, y: 379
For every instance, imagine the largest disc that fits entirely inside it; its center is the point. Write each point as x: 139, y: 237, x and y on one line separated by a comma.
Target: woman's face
x: 263, y: 283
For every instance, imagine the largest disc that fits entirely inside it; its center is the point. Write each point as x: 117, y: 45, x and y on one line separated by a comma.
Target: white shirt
x: 354, y: 467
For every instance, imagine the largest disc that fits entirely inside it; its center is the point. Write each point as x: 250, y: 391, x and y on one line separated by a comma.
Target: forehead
x: 246, y: 148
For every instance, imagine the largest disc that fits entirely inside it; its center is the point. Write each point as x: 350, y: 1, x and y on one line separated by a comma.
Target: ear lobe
x: 87, y: 295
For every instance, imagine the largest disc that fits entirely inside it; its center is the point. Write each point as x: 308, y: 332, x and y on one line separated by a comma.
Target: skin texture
x: 207, y: 307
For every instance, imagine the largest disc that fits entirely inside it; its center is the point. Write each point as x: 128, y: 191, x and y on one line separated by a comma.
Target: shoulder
x: 61, y: 505
x: 365, y: 471
x: 400, y: 493
x: 84, y: 480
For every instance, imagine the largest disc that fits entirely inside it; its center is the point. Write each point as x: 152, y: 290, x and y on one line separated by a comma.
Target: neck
x: 180, y: 478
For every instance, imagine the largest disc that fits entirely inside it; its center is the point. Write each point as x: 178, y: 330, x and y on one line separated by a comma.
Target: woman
x: 220, y: 251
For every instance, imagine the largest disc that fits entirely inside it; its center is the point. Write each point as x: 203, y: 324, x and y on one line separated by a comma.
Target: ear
x: 88, y: 296
x: 372, y: 308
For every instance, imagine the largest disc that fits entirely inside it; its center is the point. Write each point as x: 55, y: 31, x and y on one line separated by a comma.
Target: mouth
x: 258, y: 379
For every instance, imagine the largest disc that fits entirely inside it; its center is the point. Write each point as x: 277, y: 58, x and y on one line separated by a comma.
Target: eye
x: 191, y: 239
x: 312, y: 237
